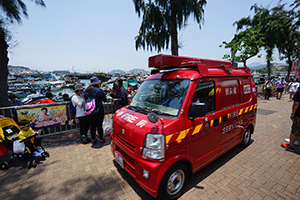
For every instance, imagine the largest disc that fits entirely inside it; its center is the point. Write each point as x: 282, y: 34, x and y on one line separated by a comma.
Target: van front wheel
x: 247, y: 138
x: 173, y: 182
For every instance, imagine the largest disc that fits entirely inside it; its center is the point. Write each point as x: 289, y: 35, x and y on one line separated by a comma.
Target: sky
x: 98, y: 35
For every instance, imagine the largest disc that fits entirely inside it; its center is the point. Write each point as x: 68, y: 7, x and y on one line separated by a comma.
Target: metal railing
x: 73, y: 124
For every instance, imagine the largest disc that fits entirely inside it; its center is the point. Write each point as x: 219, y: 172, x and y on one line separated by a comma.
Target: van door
x: 231, y: 121
x: 202, y: 144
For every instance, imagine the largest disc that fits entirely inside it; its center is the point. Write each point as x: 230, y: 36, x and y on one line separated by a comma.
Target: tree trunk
x: 3, y: 72
x: 174, y: 34
x: 269, y: 68
x: 289, y: 70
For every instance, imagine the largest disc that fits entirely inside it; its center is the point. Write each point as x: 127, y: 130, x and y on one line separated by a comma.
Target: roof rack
x: 167, y: 62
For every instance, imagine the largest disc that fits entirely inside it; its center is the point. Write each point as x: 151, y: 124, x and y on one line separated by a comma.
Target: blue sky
x: 98, y: 35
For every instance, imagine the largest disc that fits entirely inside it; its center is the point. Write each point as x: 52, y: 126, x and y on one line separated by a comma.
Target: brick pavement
x: 264, y: 170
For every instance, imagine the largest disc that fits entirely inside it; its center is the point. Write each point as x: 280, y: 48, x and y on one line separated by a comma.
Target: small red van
x: 188, y: 113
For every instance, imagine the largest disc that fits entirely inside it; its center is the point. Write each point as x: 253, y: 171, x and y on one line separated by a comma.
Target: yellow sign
x: 44, y: 116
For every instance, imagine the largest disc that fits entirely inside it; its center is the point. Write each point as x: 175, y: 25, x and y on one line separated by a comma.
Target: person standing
x: 294, y: 85
x: 268, y: 87
x: 120, y: 96
x: 281, y: 84
x: 96, y: 120
x: 78, y: 102
x: 295, y: 117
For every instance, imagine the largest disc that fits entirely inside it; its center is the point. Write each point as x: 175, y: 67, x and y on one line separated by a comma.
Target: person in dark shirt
x: 14, y: 101
x: 120, y: 96
x: 262, y: 80
x: 96, y: 120
x: 295, y: 117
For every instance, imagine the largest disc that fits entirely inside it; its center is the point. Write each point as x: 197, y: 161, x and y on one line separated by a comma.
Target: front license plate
x: 119, y: 160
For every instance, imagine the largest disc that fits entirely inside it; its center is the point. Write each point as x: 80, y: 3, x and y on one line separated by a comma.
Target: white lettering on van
x: 233, y: 114
x: 230, y: 91
x: 141, y: 123
x: 119, y: 113
x: 128, y: 117
x: 232, y: 126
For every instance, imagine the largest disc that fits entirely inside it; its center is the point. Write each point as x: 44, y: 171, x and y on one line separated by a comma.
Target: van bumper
x: 135, y: 165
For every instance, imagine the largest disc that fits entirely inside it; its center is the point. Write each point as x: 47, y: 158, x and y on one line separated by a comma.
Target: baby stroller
x: 11, y: 147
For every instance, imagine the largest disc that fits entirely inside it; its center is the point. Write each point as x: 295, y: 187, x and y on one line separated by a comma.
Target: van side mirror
x: 197, y: 109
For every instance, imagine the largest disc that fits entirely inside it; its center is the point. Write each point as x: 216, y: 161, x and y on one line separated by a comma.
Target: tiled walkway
x: 264, y: 170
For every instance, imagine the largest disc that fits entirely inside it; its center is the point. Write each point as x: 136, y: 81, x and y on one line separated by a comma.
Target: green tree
x: 11, y: 12
x: 268, y: 19
x: 289, y: 37
x: 244, y: 45
x: 162, y: 19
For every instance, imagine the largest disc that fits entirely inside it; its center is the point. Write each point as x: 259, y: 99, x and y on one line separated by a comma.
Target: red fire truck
x: 188, y: 113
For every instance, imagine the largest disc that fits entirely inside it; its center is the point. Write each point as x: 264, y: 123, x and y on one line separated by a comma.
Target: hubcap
x: 175, y: 182
x: 247, y: 136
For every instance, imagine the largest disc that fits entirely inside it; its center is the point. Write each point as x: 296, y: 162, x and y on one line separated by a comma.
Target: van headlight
x: 154, y: 146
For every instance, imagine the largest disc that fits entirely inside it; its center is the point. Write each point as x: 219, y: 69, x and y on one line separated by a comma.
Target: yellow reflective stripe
x: 182, y: 134
x: 220, y: 120
x: 211, y: 123
x: 197, y: 129
x: 168, y: 137
x: 241, y: 111
x: 251, y: 108
x: 246, y: 110
x: 255, y: 106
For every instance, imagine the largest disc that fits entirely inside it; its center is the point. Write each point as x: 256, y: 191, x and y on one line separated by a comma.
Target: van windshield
x: 163, y: 97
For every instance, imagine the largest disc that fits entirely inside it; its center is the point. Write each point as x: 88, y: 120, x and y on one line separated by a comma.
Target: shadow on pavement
x: 193, y: 182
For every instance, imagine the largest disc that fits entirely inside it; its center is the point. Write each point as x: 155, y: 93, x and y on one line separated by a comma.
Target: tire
x: 33, y: 164
x: 173, y: 182
x: 246, y: 138
x: 4, y: 165
x: 29, y: 165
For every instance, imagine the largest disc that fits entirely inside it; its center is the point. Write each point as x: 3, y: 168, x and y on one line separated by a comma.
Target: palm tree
x: 12, y: 10
x: 162, y: 19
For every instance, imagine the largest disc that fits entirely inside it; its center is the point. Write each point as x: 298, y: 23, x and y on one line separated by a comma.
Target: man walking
x: 295, y: 116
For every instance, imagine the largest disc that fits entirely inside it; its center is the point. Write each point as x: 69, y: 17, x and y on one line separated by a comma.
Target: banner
x: 43, y: 116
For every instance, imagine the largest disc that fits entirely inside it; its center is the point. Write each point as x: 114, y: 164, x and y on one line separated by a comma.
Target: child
x: 27, y: 131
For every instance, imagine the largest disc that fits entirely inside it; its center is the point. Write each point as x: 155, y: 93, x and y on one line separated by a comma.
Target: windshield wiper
x: 136, y: 108
x: 161, y: 113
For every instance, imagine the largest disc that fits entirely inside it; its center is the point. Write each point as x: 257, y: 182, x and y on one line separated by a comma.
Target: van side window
x: 230, y: 93
x: 205, y: 93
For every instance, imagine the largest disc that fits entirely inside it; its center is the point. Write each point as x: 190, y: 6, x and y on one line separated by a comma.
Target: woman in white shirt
x: 293, y: 88
x: 78, y: 102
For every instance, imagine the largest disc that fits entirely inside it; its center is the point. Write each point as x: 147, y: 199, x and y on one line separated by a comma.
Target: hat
x: 94, y: 80
x: 128, y: 89
x: 78, y: 86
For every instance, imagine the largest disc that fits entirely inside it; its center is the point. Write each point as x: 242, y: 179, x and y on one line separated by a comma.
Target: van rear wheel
x: 173, y: 182
x: 247, y: 138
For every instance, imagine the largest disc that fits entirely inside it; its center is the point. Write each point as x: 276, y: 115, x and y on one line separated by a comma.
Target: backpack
x: 72, y: 108
x: 90, y: 105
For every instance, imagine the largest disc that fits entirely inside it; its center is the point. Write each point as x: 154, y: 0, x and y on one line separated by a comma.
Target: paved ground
x: 264, y: 170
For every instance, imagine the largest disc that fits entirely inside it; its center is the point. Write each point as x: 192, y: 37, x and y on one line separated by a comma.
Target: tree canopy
x: 161, y: 20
